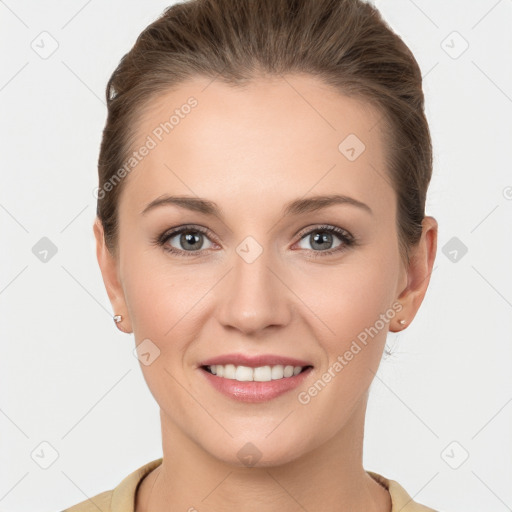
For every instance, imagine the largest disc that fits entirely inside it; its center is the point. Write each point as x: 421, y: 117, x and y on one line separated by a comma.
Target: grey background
x: 69, y: 377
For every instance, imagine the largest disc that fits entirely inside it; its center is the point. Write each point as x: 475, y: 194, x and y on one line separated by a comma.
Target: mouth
x: 254, y: 383
x: 265, y: 373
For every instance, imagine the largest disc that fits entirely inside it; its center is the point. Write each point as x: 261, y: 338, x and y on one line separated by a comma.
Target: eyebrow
x: 296, y: 207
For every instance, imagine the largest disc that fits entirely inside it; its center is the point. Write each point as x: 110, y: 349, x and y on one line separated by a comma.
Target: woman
x: 242, y: 136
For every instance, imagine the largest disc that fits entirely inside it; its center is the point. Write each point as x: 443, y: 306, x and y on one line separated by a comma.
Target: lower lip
x: 251, y: 391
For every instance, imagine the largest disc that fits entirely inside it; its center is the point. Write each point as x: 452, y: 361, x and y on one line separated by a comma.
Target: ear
x: 109, y: 266
x: 418, y: 273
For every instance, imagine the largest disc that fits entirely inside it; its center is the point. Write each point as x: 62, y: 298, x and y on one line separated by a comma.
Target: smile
x: 257, y: 374
x: 254, y: 384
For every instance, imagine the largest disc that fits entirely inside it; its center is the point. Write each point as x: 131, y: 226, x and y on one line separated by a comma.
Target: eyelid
x: 327, y: 227
x: 170, y: 233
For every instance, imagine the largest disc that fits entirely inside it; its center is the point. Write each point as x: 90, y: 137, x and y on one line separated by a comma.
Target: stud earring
x: 402, y: 322
x: 117, y: 318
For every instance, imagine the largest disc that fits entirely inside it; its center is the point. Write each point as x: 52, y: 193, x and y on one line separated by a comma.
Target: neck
x: 330, y: 478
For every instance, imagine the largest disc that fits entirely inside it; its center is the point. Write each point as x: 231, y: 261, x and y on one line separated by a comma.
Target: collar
x: 123, y: 496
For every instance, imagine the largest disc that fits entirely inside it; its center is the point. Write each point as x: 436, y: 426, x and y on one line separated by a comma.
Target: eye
x: 184, y: 241
x: 190, y: 240
x: 322, y: 238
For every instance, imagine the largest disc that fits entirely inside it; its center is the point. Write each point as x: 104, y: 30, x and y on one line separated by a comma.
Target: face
x: 267, y: 271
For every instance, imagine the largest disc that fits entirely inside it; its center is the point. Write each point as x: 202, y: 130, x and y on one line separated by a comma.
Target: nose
x: 254, y: 296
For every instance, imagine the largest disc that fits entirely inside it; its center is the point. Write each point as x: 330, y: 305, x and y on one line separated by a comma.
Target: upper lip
x: 254, y: 361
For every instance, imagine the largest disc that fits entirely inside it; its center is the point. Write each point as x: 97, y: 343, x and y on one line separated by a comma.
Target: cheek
x: 166, y: 305
x: 160, y: 295
x: 355, y: 309
x: 350, y: 297
x: 163, y: 321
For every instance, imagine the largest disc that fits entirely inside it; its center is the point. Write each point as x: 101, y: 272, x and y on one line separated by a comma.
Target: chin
x: 257, y: 451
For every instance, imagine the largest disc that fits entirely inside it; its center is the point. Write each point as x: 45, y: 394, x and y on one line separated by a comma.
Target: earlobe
x: 110, y: 273
x: 418, y: 273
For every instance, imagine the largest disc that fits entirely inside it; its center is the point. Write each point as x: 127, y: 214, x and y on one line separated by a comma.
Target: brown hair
x: 345, y: 43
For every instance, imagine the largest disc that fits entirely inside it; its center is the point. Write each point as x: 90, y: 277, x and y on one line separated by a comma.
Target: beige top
x: 122, y: 497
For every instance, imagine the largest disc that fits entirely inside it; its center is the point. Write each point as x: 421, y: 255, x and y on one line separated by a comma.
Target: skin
x: 252, y: 150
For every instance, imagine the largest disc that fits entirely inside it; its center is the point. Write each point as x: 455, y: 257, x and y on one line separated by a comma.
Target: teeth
x: 258, y: 374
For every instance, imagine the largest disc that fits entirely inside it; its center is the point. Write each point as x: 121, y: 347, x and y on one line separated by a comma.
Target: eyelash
x: 347, y: 239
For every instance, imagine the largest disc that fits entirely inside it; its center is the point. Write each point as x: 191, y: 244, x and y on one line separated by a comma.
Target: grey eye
x: 189, y: 240
x: 320, y: 239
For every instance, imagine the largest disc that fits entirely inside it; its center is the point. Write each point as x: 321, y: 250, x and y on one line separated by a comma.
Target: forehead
x: 284, y: 137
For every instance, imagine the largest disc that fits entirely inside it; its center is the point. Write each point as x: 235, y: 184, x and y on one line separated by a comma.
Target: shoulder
x: 119, y: 499
x: 400, y: 499
x: 100, y: 501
